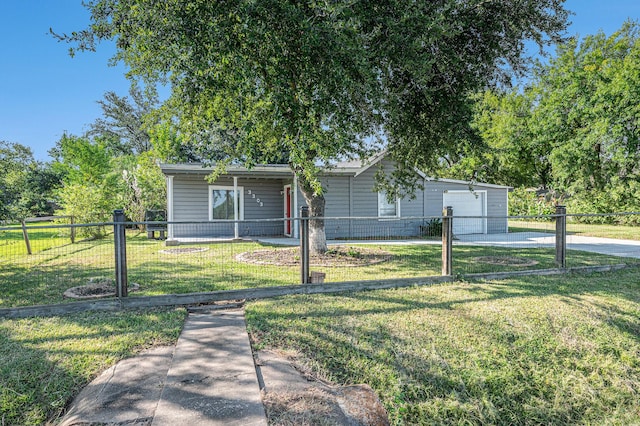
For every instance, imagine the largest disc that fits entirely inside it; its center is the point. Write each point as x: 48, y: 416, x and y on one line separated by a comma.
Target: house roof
x: 271, y: 170
x: 346, y: 168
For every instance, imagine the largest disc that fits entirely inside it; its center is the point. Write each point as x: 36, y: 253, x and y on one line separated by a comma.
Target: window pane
x: 222, y: 204
x: 384, y: 207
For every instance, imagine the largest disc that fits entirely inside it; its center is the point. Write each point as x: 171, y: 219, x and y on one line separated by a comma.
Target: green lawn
x: 43, y: 277
x: 44, y: 362
x: 12, y: 239
x: 533, y: 350
x: 588, y: 230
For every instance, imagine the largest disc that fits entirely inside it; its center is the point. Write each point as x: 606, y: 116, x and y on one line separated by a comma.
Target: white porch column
x: 296, y: 213
x: 236, y: 209
x: 169, y: 180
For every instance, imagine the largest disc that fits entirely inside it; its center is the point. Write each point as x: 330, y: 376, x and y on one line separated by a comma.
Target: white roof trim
x: 466, y: 182
x: 281, y: 169
x: 374, y: 160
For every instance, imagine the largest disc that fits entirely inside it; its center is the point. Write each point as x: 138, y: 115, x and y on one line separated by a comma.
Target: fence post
x: 304, y: 245
x: 25, y: 235
x: 73, y: 230
x: 120, y: 244
x: 561, y: 236
x: 447, y: 238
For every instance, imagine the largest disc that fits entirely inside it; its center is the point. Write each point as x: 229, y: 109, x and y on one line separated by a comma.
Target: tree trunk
x: 317, y: 236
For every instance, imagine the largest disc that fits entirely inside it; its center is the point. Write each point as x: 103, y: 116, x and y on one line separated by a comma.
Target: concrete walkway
x: 209, y: 378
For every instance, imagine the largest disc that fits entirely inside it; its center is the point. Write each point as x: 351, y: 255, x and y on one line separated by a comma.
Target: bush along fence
x: 125, y: 262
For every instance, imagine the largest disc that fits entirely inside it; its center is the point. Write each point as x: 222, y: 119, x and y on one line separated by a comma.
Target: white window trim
x: 383, y: 196
x: 226, y: 188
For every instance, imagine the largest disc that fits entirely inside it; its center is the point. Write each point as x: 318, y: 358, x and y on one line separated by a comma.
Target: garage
x: 468, y: 209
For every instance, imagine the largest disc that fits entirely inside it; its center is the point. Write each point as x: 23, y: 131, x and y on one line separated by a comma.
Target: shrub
x: 431, y: 228
x: 526, y: 202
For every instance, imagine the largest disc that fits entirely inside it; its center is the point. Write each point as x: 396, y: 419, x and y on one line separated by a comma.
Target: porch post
x: 296, y: 223
x: 236, y: 209
x: 170, y: 207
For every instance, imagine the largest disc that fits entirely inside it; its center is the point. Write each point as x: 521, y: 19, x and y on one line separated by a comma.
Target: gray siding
x: 346, y: 196
x: 190, y: 198
x: 191, y: 203
x: 364, y: 203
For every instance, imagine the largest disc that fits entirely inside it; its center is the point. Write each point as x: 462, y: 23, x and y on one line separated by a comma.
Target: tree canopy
x: 26, y: 185
x: 124, y: 125
x: 320, y: 80
x: 573, y: 129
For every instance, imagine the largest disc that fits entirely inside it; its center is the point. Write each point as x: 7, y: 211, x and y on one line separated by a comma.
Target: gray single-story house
x: 264, y: 197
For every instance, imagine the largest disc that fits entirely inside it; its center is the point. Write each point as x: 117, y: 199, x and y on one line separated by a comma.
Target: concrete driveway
x: 610, y: 246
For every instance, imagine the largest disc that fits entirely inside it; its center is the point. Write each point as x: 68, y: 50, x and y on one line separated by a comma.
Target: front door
x: 287, y: 210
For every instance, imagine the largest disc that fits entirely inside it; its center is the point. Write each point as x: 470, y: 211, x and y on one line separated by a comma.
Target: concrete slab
x: 126, y: 393
x: 609, y: 246
x: 212, y: 379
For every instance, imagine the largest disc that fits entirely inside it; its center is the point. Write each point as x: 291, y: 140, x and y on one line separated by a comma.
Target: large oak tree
x: 320, y: 79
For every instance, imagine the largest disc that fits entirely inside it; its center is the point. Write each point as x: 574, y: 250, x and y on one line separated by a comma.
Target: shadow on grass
x: 41, y: 285
x: 496, y: 353
x: 44, y: 362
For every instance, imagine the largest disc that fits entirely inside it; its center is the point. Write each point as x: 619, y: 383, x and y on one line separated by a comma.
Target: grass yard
x: 533, y: 350
x: 12, y: 240
x: 625, y: 232
x: 44, y: 362
x: 43, y: 277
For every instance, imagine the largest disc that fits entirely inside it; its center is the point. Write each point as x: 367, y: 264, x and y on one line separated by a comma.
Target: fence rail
x: 204, y: 256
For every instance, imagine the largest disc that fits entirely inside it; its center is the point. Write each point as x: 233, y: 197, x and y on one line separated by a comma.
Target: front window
x: 222, y: 203
x: 386, y: 208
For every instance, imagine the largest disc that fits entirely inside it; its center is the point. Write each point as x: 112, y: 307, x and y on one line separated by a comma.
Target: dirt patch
x: 184, y: 250
x: 506, y: 260
x: 95, y: 288
x: 335, y: 256
x: 293, y: 396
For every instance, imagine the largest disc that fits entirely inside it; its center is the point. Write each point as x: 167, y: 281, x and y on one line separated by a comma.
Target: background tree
x: 125, y: 122
x: 317, y: 80
x: 572, y: 130
x: 26, y: 185
x: 89, y: 192
x: 142, y: 186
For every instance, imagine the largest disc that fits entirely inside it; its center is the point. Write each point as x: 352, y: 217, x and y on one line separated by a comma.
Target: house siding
x: 364, y: 204
x: 262, y: 200
x: 346, y: 197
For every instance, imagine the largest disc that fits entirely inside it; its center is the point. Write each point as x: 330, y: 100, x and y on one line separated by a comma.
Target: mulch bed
x: 184, y: 250
x: 96, y: 288
x: 336, y: 256
x: 506, y: 260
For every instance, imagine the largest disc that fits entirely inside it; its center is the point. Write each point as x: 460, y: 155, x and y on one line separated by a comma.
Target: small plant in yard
x: 353, y: 252
x: 432, y: 228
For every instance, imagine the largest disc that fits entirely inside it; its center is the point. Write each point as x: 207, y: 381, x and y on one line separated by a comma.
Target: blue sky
x: 44, y: 92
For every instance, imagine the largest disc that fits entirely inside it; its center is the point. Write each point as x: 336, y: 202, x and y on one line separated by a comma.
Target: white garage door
x: 467, y: 203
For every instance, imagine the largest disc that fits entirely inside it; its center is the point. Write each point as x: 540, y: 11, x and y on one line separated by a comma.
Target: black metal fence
x: 124, y: 259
